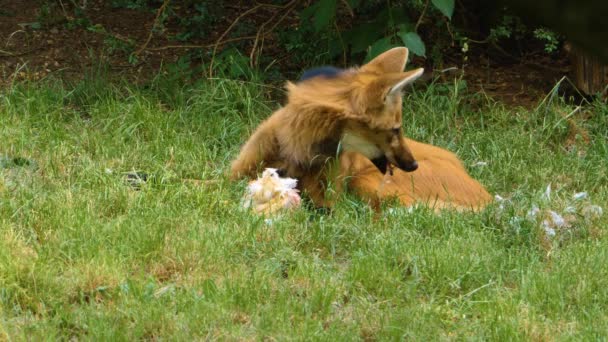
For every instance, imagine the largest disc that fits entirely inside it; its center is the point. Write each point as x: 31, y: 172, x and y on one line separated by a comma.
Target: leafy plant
x: 48, y: 14
x: 233, y: 64
x: 114, y: 45
x: 324, y: 31
x: 390, y: 26
x: 550, y: 39
x: 444, y: 6
x: 131, y: 4
x: 199, y: 20
x: 511, y: 26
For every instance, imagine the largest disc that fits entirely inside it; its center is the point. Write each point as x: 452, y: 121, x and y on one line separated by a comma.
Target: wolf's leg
x: 362, y: 177
x: 261, y: 147
x: 312, y: 184
x: 324, y: 183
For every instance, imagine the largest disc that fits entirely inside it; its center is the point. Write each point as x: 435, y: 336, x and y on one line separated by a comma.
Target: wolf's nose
x: 411, y: 166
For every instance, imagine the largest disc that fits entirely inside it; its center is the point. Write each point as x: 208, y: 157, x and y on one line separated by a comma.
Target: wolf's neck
x: 351, y: 141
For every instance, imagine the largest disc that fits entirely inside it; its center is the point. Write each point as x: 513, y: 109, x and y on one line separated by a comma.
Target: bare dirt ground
x: 28, y: 52
x: 35, y: 44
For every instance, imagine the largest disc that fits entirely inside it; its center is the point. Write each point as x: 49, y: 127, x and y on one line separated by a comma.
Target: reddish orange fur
x: 440, y: 182
x: 302, y: 138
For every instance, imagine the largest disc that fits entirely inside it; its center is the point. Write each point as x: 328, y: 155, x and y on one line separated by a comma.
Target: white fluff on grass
x: 270, y: 193
x: 592, y: 211
x: 554, y: 222
x: 547, y: 195
x: 580, y: 195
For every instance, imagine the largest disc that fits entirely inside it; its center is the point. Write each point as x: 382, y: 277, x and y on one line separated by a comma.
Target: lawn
x: 86, y: 254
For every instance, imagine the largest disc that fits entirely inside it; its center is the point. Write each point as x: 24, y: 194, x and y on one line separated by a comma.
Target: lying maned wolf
x: 356, y: 115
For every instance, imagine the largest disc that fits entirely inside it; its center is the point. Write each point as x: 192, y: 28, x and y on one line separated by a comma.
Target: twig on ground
x: 203, y: 46
x: 220, y: 41
x: 261, y: 31
x: 10, y: 36
x: 160, y: 11
x: 65, y: 13
x: 6, y: 53
x: 120, y: 37
x: 260, y: 34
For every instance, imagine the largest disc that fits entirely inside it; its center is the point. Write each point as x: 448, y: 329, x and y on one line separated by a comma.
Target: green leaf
x: 354, y: 3
x: 413, y: 42
x: 362, y: 36
x: 378, y: 47
x: 324, y: 14
x: 445, y: 6
x: 397, y: 15
x: 309, y: 11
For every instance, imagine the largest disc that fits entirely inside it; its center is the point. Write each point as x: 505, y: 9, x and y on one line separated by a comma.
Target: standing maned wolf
x: 356, y: 115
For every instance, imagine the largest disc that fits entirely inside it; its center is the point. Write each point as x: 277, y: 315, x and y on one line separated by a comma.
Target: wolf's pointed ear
x: 390, y: 61
x: 408, y: 78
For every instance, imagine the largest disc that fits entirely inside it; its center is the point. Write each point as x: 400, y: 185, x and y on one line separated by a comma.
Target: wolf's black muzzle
x: 382, y: 164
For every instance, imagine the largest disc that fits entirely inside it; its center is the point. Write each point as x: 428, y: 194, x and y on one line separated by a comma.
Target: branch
x: 4, y: 53
x: 261, y: 34
x: 253, y: 9
x: 219, y: 40
x: 204, y: 46
x: 348, y: 8
x: 158, y: 14
x: 426, y: 5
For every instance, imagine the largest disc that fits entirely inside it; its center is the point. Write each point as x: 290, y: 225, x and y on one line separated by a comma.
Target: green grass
x: 83, y: 254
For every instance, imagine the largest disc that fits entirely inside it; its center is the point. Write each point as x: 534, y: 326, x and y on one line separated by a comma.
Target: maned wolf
x: 354, y: 115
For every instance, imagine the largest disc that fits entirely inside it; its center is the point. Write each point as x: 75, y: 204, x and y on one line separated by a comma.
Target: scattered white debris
x: 501, y: 202
x: 163, y: 290
x: 480, y: 164
x: 395, y: 211
x: 515, y: 220
x: 108, y: 171
x: 580, y: 195
x: 271, y: 193
x: 532, y: 213
x: 553, y: 223
x: 558, y: 220
x: 592, y: 211
x: 547, y: 194
x: 548, y: 229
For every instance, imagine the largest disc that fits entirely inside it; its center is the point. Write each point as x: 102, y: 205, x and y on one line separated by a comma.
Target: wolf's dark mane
x: 325, y: 71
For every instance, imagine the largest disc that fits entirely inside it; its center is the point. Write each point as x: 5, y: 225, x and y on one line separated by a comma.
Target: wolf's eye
x: 396, y: 131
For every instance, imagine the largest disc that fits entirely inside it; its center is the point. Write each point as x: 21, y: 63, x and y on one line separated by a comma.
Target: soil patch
x: 36, y: 42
